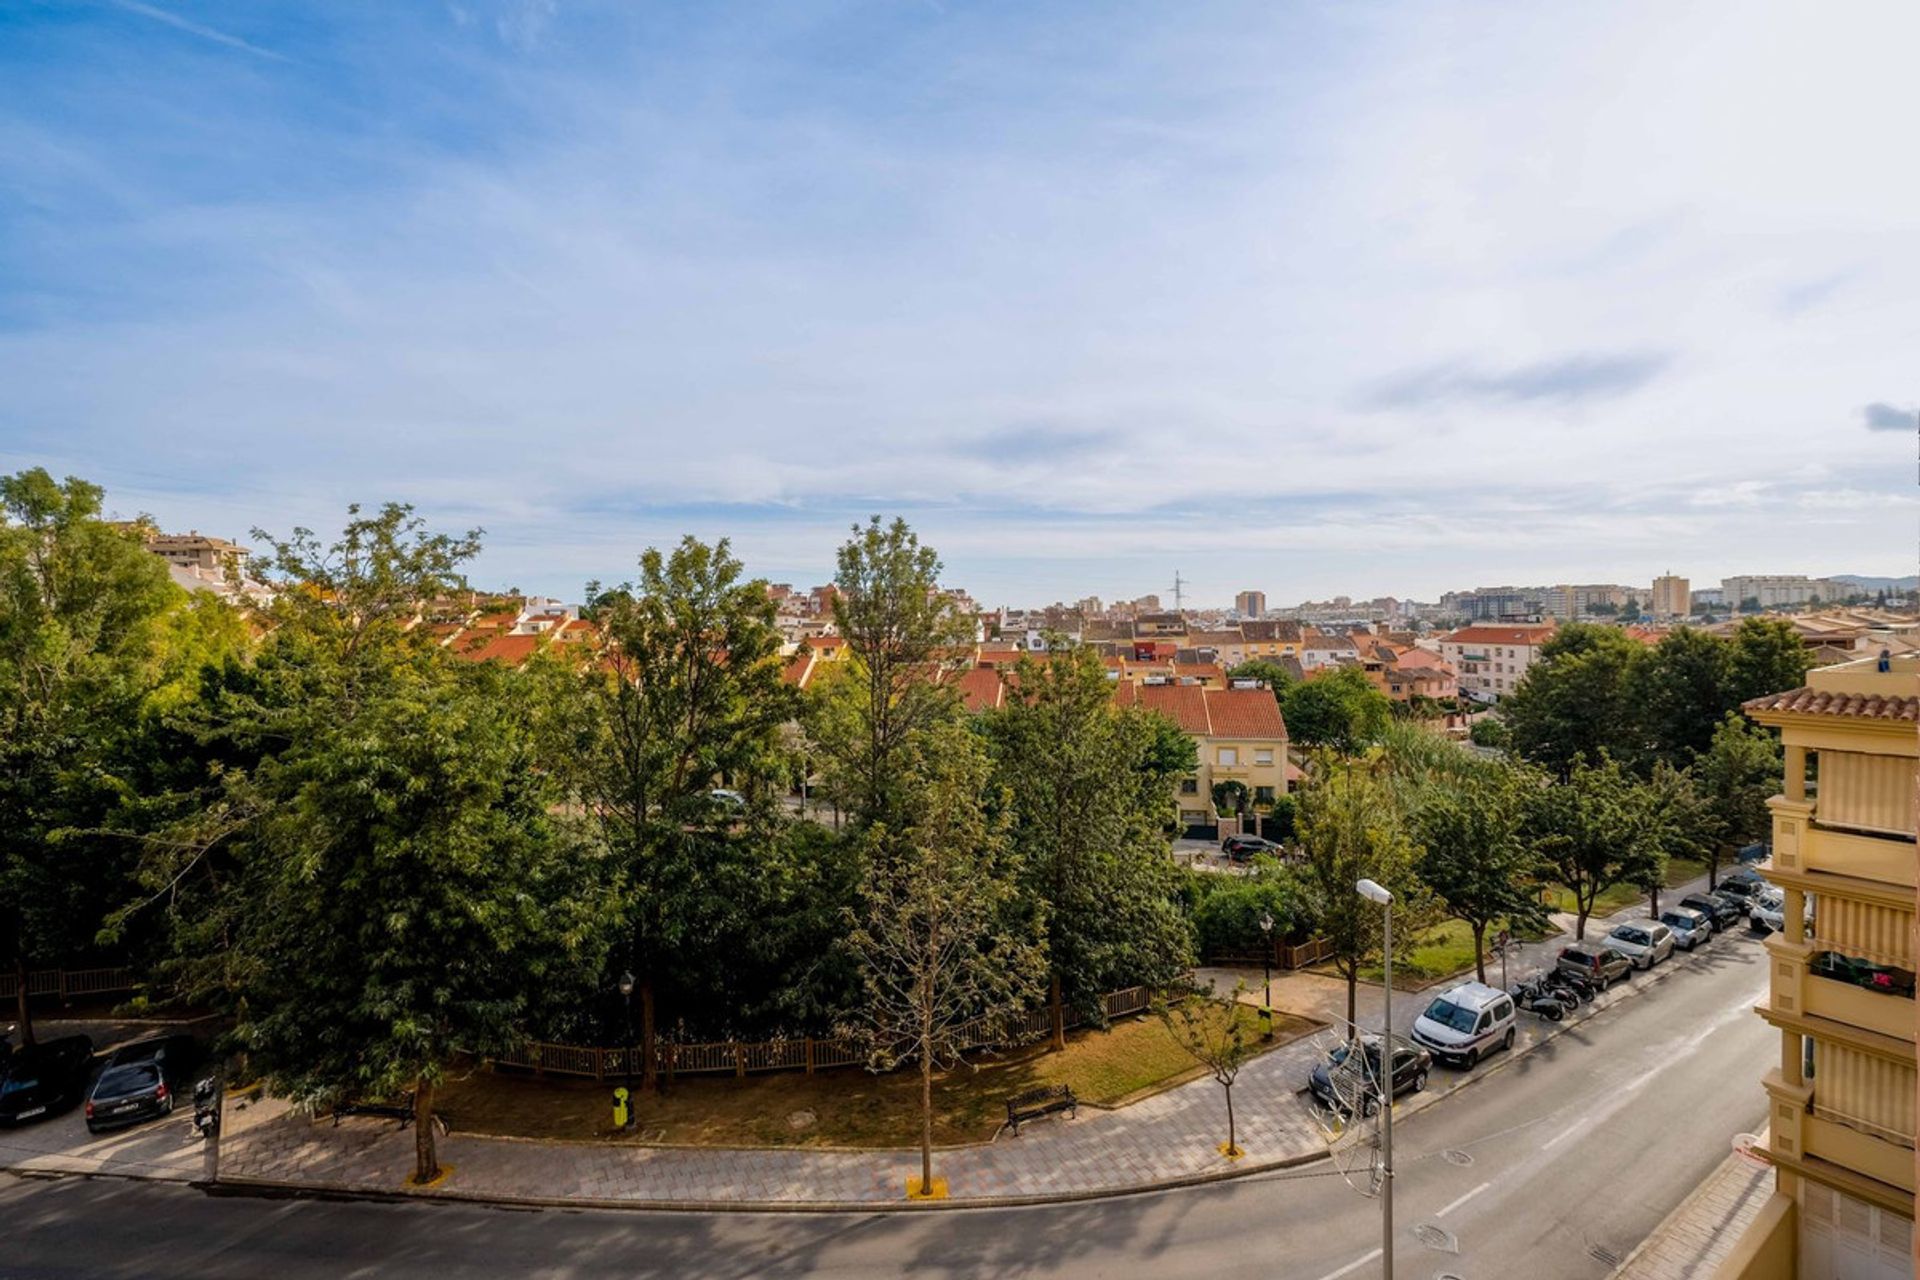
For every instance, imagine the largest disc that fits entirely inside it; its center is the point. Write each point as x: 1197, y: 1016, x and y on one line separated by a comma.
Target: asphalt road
x: 1556, y: 1164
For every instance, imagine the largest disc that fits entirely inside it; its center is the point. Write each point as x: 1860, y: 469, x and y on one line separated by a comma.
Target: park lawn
x: 1443, y: 952
x: 1679, y: 871
x: 848, y: 1107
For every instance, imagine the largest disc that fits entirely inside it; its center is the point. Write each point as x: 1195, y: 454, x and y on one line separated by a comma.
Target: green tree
x: 1575, y: 701
x: 85, y: 618
x: 1768, y: 657
x: 689, y: 695
x: 1216, y: 1038
x: 1475, y: 857
x: 1585, y: 830
x: 1671, y: 820
x: 902, y: 633
x: 1739, y: 773
x: 1351, y: 828
x: 1680, y: 690
x: 1275, y: 675
x: 1339, y: 709
x: 1228, y: 917
x: 1490, y: 731
x: 1089, y: 833
x: 944, y: 948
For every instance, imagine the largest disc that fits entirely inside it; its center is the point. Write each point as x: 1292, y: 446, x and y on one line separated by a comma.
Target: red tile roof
x: 512, y: 650
x: 1823, y: 702
x: 799, y: 668
x: 1208, y: 713
x: 981, y: 689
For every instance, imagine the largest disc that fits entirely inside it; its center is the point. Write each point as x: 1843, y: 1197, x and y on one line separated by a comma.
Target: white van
x: 1466, y: 1023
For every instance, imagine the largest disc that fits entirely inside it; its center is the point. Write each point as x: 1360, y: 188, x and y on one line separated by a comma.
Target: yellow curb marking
x: 446, y: 1171
x: 914, y: 1191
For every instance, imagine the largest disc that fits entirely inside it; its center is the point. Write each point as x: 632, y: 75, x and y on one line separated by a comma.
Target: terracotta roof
x: 1184, y: 704
x: 1500, y: 635
x: 799, y: 668
x: 1823, y: 702
x: 981, y: 689
x: 512, y: 650
x: 1279, y: 630
x: 1244, y: 713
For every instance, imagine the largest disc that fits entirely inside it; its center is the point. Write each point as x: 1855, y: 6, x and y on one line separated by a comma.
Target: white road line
x: 1568, y: 1132
x: 1462, y: 1200
x: 1355, y: 1265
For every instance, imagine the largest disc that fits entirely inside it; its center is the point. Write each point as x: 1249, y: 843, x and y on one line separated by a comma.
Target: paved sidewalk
x: 1697, y: 1236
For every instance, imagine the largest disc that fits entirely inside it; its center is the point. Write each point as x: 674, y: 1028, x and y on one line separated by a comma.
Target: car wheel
x: 1420, y: 1082
x: 1472, y: 1059
x: 1369, y: 1105
x: 1506, y: 1041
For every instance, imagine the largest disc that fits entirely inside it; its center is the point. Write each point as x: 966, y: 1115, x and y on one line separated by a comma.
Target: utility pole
x: 1178, y: 584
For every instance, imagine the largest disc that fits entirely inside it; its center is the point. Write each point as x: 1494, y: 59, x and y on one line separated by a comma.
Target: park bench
x: 401, y: 1111
x: 1044, y: 1101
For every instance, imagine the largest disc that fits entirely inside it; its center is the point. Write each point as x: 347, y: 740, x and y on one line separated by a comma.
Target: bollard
x: 620, y: 1115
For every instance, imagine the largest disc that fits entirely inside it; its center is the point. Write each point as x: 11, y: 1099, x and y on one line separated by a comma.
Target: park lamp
x: 626, y: 983
x: 1266, y: 922
x: 1373, y: 891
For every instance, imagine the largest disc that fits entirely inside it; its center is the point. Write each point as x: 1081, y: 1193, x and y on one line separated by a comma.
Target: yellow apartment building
x: 1841, y: 994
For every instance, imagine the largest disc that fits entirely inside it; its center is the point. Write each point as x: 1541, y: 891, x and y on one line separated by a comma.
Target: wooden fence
x: 740, y: 1058
x: 1283, y: 955
x: 67, y: 983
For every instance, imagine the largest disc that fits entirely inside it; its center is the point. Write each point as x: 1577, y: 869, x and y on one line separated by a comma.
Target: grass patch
x: 1621, y: 896
x: 1442, y: 952
x: 847, y: 1108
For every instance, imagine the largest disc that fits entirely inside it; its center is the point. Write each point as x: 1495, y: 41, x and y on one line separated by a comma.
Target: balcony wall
x: 1856, y: 1006
x: 1888, y: 859
x: 1829, y: 1140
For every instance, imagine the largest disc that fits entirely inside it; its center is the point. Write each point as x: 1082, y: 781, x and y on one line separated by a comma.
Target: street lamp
x: 1374, y: 892
x: 626, y: 994
x: 1266, y: 961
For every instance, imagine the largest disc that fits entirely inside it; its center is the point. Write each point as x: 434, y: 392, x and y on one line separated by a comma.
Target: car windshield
x: 1677, y: 920
x: 17, y: 1083
x: 133, y: 1078
x: 1448, y: 1014
x: 1630, y: 935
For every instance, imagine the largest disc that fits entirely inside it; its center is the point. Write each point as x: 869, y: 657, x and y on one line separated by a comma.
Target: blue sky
x: 1310, y: 298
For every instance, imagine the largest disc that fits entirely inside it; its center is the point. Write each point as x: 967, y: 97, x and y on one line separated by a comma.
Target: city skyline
x: 1368, y: 300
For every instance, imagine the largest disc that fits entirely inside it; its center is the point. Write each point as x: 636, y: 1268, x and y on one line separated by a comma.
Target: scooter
x: 1573, y: 988
x: 206, y: 1107
x: 1538, y: 998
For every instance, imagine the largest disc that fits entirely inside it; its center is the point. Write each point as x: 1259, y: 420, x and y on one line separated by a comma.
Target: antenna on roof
x: 1178, y: 584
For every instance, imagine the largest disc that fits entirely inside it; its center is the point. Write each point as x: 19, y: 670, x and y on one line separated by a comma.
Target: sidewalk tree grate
x: 1453, y: 1155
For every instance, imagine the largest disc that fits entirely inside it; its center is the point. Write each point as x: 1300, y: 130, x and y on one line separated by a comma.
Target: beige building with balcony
x: 1841, y: 1120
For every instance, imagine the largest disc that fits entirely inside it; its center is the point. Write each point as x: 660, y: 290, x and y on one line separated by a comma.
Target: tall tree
x: 1585, y: 829
x: 1768, y: 657
x: 1089, y: 832
x: 1574, y: 701
x: 1670, y: 820
x: 1737, y: 776
x: 689, y: 694
x: 944, y: 947
x: 1680, y: 690
x: 1339, y: 709
x: 1351, y: 828
x: 1475, y: 857
x: 85, y: 614
x: 902, y: 633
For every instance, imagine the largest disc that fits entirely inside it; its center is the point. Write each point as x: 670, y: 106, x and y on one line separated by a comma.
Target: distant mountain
x: 1909, y: 583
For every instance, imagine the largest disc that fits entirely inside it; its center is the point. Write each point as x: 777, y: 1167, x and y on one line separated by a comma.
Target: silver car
x: 1645, y: 942
x: 1690, y: 927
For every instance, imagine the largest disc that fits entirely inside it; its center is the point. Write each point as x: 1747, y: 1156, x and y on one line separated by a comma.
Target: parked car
x: 44, y: 1078
x: 1767, y: 913
x: 1723, y: 911
x: 1343, y: 1076
x: 1600, y: 965
x: 1754, y: 853
x: 1743, y: 883
x: 1466, y: 1023
x: 1690, y: 927
x: 1645, y: 942
x: 141, y: 1081
x: 1247, y: 848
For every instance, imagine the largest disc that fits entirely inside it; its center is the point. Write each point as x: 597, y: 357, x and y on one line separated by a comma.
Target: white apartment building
x: 1492, y: 659
x: 1773, y: 590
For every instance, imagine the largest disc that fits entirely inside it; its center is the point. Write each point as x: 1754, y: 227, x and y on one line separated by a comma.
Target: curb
x: 1679, y: 1211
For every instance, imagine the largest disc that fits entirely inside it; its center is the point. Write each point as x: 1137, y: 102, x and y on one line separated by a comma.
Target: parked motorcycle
x: 1573, y: 988
x: 1537, y: 997
x: 206, y: 1107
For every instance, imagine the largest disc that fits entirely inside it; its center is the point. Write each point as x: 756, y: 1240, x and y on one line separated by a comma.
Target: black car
x: 1341, y: 1078
x: 141, y: 1081
x: 44, y: 1078
x: 1723, y: 910
x: 1744, y: 884
x: 1247, y: 848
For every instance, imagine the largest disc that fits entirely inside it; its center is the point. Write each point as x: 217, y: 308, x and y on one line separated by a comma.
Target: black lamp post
x: 1266, y: 961
x: 626, y: 994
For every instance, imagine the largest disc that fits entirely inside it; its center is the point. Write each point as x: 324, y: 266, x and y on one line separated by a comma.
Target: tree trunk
x: 1353, y: 995
x: 649, y: 1059
x: 1713, y: 868
x: 426, y: 1161
x: 926, y: 1120
x: 1232, y: 1144
x: 24, y: 1013
x: 1653, y: 901
x: 1058, y: 1006
x: 1480, y: 951
x: 1580, y: 925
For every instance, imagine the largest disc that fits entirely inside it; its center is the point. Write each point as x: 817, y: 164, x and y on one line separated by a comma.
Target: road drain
x: 1435, y: 1237
x: 1453, y: 1156
x: 1600, y: 1253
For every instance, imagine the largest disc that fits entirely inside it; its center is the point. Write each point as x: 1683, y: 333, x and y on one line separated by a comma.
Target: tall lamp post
x: 1266, y: 961
x: 1374, y: 892
x: 626, y: 993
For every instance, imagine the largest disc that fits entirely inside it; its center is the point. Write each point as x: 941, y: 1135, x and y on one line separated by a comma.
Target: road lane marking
x: 1355, y: 1265
x: 1462, y: 1200
x: 1568, y: 1132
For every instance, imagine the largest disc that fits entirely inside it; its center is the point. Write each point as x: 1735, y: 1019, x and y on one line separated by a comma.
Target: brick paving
x: 1697, y: 1236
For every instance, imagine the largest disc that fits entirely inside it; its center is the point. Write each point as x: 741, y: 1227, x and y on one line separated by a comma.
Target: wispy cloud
x: 1571, y: 379
x: 205, y: 32
x: 1881, y: 416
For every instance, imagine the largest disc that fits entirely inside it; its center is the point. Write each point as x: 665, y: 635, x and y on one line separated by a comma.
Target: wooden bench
x: 1044, y: 1101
